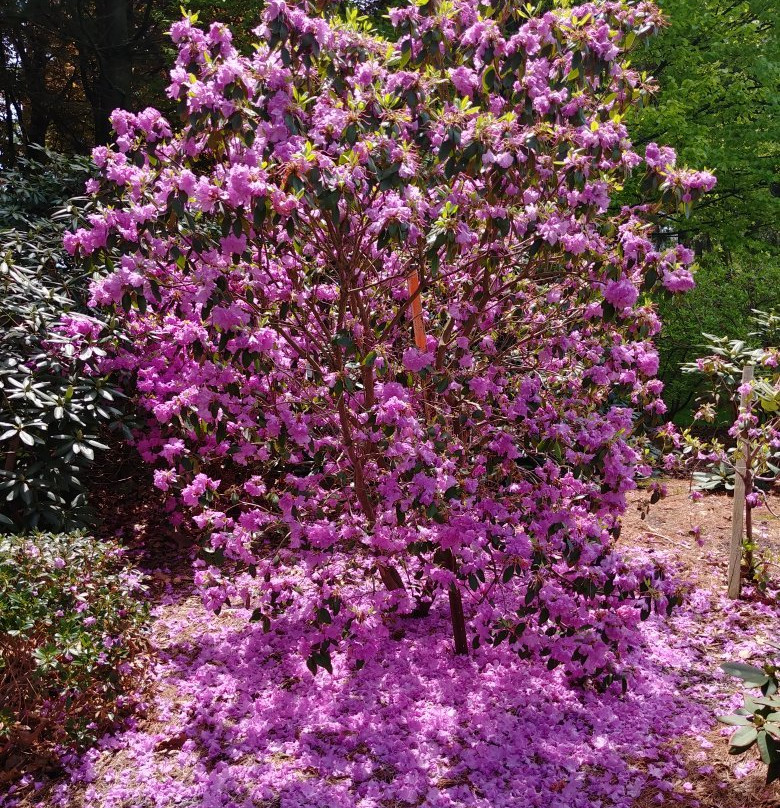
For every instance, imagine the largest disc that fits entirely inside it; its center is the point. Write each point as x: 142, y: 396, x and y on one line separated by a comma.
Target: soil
x: 691, y: 530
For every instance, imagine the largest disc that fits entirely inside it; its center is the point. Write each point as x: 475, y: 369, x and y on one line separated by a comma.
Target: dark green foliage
x: 54, y: 404
x: 718, y: 70
x: 758, y: 720
x: 722, y: 303
x: 71, y: 630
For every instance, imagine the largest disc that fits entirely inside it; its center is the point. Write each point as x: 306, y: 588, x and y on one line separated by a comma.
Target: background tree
x: 65, y: 65
x: 718, y: 67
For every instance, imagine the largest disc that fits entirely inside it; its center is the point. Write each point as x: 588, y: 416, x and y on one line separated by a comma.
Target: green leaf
x: 744, y: 738
x: 445, y: 149
x: 344, y: 339
x: 769, y: 687
x: 489, y: 79
x: 734, y: 720
x: 322, y: 659
x: 765, y: 746
x: 748, y: 673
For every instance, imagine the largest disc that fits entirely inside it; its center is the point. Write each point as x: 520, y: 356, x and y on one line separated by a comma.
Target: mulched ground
x: 697, y: 535
x: 233, y: 723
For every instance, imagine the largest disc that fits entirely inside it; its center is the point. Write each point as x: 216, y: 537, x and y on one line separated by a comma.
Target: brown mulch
x: 697, y: 534
x: 693, y: 531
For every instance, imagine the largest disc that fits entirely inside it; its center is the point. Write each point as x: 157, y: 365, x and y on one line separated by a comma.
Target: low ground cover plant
x: 757, y: 721
x: 72, y: 622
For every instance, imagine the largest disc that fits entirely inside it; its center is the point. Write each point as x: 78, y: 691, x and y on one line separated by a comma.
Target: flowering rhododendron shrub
x: 749, y: 407
x: 392, y: 336
x: 750, y: 447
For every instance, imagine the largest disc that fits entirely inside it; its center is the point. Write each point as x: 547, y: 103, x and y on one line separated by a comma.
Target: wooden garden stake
x: 417, y: 318
x: 738, y: 508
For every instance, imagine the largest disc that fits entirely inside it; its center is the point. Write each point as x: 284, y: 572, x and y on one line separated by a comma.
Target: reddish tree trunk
x: 456, y: 609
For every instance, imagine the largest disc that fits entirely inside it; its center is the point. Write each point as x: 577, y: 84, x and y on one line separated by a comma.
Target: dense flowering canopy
x: 388, y: 324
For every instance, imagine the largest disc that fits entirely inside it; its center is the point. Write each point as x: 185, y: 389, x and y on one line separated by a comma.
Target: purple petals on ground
x: 237, y: 721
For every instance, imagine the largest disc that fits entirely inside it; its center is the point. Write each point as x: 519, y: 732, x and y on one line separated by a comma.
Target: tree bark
x: 738, y: 506
x: 390, y: 576
x: 456, y: 608
x: 33, y: 59
x: 9, y: 152
x: 113, y: 81
x: 749, y: 561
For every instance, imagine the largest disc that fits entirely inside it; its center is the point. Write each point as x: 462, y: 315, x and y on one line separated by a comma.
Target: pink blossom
x: 415, y: 360
x: 621, y: 294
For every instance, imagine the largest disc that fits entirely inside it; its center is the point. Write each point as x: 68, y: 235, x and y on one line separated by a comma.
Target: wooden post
x: 417, y: 318
x: 738, y: 508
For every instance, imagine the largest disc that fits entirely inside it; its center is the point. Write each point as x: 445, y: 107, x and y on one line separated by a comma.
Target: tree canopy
x: 718, y: 68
